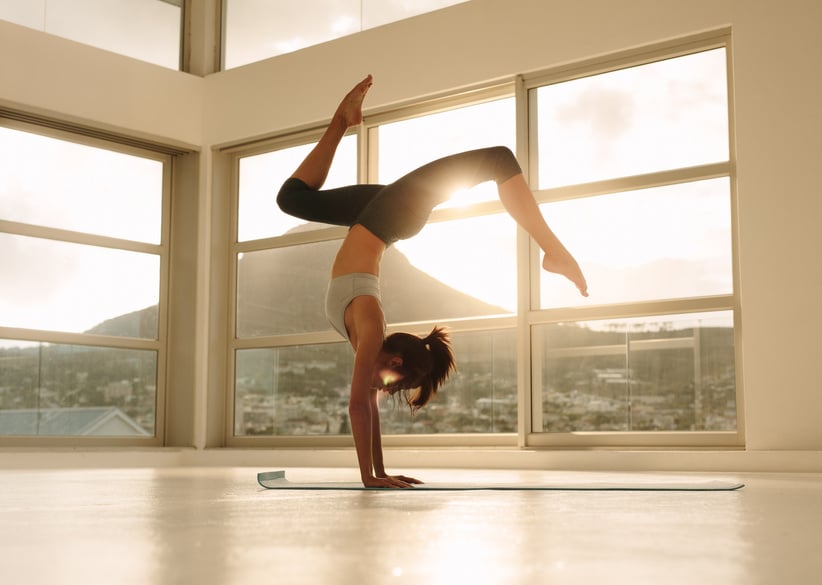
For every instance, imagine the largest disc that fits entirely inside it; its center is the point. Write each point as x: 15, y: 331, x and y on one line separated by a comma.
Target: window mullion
x: 634, y: 183
x: 62, y: 235
x: 628, y: 310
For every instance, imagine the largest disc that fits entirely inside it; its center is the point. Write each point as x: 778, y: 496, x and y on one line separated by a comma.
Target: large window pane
x: 450, y: 270
x: 56, y: 183
x: 148, y: 30
x: 282, y: 290
x: 672, y: 373
x: 293, y: 390
x: 259, y: 29
x: 661, y: 116
x: 664, y: 243
x: 480, y: 397
x: 76, y: 288
x: 85, y: 282
x: 305, y: 391
x: 261, y: 176
x: 408, y: 144
x: 453, y: 269
x: 72, y: 390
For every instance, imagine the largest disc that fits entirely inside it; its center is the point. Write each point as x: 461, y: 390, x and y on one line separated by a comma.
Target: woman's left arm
x: 360, y: 410
x: 366, y: 320
x: 376, y: 437
x: 376, y: 445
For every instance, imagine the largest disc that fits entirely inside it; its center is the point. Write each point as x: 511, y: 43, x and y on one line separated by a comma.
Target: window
x: 667, y: 114
x: 259, y: 174
x: 297, y: 390
x: 668, y: 242
x: 82, y: 228
x: 447, y: 250
x: 149, y: 30
x: 256, y: 29
x: 672, y: 373
x: 480, y: 398
x: 632, y: 167
x: 291, y: 372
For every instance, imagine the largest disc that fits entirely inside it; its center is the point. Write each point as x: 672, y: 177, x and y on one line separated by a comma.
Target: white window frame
x: 101, y: 139
x: 366, y: 172
x: 528, y: 314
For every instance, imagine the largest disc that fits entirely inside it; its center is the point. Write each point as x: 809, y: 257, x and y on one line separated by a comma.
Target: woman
x: 379, y: 215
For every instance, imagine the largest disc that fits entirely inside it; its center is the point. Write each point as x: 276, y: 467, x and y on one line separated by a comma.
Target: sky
x: 254, y: 29
x: 149, y: 31
x: 637, y: 246
x: 259, y: 29
x: 71, y: 287
x: 655, y: 243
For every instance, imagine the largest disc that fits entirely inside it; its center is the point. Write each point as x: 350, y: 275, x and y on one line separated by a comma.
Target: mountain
x: 282, y: 290
x: 141, y: 324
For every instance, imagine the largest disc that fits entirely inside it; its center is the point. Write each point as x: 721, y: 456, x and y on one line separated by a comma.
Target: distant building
x: 103, y: 421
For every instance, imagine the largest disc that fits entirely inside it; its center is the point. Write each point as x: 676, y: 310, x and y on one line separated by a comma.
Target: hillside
x: 283, y: 291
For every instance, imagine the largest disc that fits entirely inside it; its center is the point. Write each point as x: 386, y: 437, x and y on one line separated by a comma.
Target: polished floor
x: 217, y: 526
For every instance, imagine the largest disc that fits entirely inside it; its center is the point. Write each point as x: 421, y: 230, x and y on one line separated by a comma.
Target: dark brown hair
x: 426, y: 364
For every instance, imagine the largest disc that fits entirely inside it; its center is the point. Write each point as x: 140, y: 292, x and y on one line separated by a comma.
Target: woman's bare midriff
x: 361, y: 251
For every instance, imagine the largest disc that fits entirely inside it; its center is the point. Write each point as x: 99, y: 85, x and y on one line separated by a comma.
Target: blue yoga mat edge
x: 274, y: 480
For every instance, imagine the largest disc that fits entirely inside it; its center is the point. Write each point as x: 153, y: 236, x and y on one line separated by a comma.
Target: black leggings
x: 399, y: 210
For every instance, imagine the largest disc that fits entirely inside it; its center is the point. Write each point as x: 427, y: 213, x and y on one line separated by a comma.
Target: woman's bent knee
x: 290, y: 196
x: 506, y: 164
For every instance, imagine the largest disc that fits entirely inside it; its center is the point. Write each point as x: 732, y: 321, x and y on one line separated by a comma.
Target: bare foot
x: 350, y: 108
x: 561, y: 262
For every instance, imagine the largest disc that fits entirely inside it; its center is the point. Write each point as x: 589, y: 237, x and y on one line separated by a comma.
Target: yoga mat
x: 276, y: 480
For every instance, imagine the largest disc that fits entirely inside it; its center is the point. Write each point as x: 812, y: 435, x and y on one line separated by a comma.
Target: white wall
x: 52, y: 76
x: 778, y: 89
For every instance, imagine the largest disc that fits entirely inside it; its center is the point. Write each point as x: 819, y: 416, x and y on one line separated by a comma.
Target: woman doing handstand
x: 378, y: 216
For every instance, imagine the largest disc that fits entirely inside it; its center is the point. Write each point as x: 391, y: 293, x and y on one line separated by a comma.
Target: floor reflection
x: 169, y: 526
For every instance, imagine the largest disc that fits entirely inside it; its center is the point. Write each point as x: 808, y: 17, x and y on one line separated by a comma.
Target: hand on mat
x: 391, y: 481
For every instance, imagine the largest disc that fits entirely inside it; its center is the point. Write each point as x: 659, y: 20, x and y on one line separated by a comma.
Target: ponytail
x: 439, y: 345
